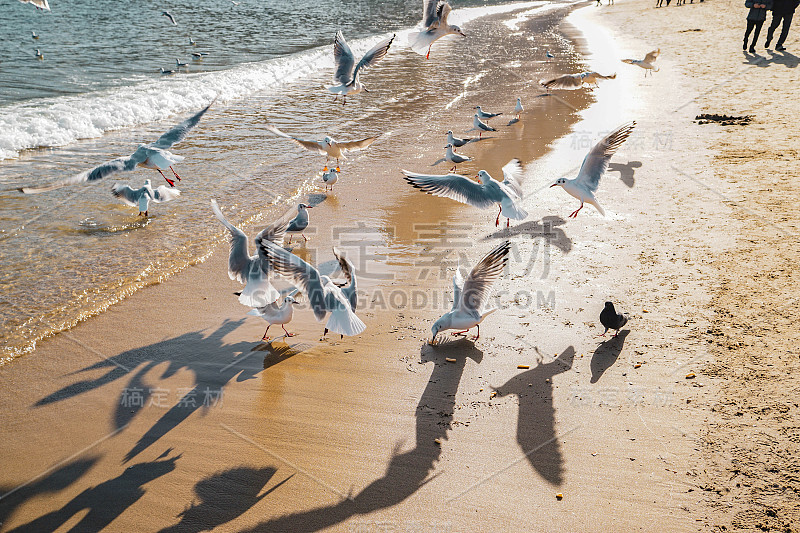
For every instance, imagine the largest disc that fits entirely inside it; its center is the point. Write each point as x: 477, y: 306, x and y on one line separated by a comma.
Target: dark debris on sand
x: 725, y: 120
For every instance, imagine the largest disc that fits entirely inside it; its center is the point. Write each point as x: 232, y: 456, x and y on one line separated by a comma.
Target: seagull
x: 455, y: 141
x: 434, y: 26
x: 170, y: 17
x: 142, y: 197
x: 327, y: 146
x: 347, y: 71
x: 471, y: 297
x: 648, y: 63
x: 154, y: 156
x: 575, y: 81
x: 481, y: 126
x: 330, y: 177
x: 323, y: 294
x: 178, y: 64
x: 485, y: 115
x: 236, y: 4
x: 611, y: 319
x: 549, y: 55
x: 33, y: 34
x: 276, y: 314
x: 454, y: 157
x: 518, y: 109
x: 41, y: 5
x: 38, y: 54
x: 192, y: 42
x: 489, y: 192
x: 165, y: 72
x: 594, y: 166
x: 199, y: 55
x: 251, y: 270
x: 299, y: 223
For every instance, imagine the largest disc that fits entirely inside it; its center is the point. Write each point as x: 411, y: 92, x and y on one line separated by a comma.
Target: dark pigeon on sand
x: 611, y: 319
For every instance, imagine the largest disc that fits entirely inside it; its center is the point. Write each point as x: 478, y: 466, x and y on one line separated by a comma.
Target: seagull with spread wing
x: 575, y: 81
x: 142, y: 197
x: 323, y: 294
x: 347, y: 71
x: 489, y: 192
x: 155, y: 156
x: 471, y: 296
x: 434, y: 27
x: 594, y: 166
x: 648, y: 63
x: 251, y: 270
x: 328, y: 147
x: 41, y: 5
x: 170, y: 17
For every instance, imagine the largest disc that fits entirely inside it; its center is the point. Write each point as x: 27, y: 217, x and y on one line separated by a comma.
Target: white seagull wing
x: 314, y: 146
x: 451, y: 186
x: 127, y: 195
x: 512, y: 173
x: 567, y: 81
x: 373, y: 56
x: 357, y: 145
x: 178, y: 133
x: 652, y: 56
x: 120, y: 164
x: 239, y: 259
x: 344, y: 59
x: 476, y: 290
x: 349, y: 273
x: 596, y: 161
x: 165, y: 194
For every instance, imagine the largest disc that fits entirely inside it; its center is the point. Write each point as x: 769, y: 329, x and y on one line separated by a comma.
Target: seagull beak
x: 461, y: 33
x: 553, y: 185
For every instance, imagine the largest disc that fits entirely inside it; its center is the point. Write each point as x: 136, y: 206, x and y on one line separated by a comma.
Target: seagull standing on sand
x: 170, y: 17
x: 154, y: 156
x: 299, y: 223
x: 594, y: 166
x: 471, y: 297
x: 251, y: 270
x: 276, y: 314
x: 434, y: 27
x: 41, y: 5
x: 323, y: 294
x: 507, y: 194
x: 575, y: 81
x: 648, y: 63
x: 457, y: 142
x: 347, y: 71
x: 329, y: 178
x: 142, y: 197
x: 611, y: 319
x: 481, y: 126
x: 485, y: 115
x: 454, y: 157
x: 549, y: 55
x: 327, y: 146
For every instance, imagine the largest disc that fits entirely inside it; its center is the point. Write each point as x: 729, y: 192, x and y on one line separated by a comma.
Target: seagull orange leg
x: 459, y: 333
x: 171, y: 183
x: 287, y: 333
x: 265, y: 338
x: 176, y: 174
x: 497, y: 220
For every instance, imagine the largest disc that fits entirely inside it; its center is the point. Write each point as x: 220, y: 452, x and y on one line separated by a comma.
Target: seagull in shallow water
x: 170, y: 17
x: 276, y: 314
x: 594, y: 166
x: 41, y: 5
x: 33, y: 34
x: 155, y: 156
x: 299, y: 223
x: 454, y: 157
x: 178, y: 64
x: 471, y: 296
x: 434, y: 27
x: 167, y: 72
x: 329, y: 178
x: 199, y: 55
x: 611, y: 319
x: 251, y: 270
x: 507, y: 194
x: 38, y: 54
x: 323, y: 294
x: 648, y: 63
x: 347, y: 71
x: 456, y: 141
x: 142, y: 197
x: 481, y: 126
x: 575, y: 81
x: 328, y: 147
x: 192, y: 42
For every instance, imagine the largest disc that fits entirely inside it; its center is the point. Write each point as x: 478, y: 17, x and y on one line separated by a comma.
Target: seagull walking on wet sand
x: 329, y: 178
x: 648, y: 63
x: 299, y: 223
x: 347, y: 71
x: 276, y: 314
x: 323, y: 294
x: 471, y: 296
x: 549, y: 55
x: 481, y: 126
x: 594, y: 166
x: 250, y: 270
x: 611, y: 319
x: 507, y: 194
x: 457, y: 142
x: 485, y: 115
x: 170, y: 17
x: 454, y: 157
x: 155, y: 156
x: 518, y: 109
x: 328, y: 147
x: 434, y: 27
x: 142, y: 197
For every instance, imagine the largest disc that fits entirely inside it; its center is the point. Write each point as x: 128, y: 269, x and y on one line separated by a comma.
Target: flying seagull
x: 170, y: 17
x: 594, y: 166
x: 299, y: 223
x: 251, y: 270
x: 648, y: 63
x: 42, y: 5
x: 347, y: 71
x: 154, y: 156
x: 434, y: 27
x: 328, y: 147
x: 507, y: 194
x: 575, y: 81
x: 142, y: 197
x: 323, y: 294
x: 471, y: 296
x: 276, y: 314
x: 611, y: 319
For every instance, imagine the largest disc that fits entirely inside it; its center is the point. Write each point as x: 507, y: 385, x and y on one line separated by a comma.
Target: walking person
x: 782, y: 10
x: 755, y: 19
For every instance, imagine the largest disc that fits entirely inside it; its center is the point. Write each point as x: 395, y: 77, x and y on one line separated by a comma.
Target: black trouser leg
x: 787, y: 21
x: 753, y: 25
x: 750, y: 26
x: 776, y: 20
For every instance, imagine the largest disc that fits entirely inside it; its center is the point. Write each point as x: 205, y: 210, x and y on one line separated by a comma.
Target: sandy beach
x: 166, y: 412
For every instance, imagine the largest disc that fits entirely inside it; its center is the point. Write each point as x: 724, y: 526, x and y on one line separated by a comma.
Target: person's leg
x: 776, y: 20
x: 755, y: 36
x: 787, y: 22
x: 750, y: 26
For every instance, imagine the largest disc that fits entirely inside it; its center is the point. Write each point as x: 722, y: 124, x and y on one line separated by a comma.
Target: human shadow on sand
x: 213, y: 363
x: 104, y: 502
x: 775, y: 58
x: 606, y: 354
x: 626, y: 171
x: 406, y: 471
x: 536, y: 427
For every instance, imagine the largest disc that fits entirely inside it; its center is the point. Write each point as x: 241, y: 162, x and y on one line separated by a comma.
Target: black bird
x: 611, y: 319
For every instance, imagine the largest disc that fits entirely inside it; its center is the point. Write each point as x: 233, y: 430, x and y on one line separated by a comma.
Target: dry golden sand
x: 382, y: 432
